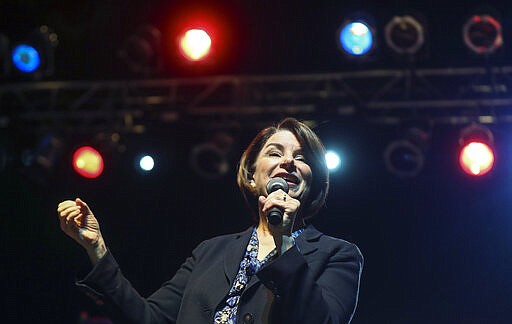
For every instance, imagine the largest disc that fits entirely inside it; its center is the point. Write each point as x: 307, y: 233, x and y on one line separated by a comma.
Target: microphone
x: 275, y: 214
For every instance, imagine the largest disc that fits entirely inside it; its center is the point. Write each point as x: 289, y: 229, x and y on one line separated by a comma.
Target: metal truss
x: 394, y: 96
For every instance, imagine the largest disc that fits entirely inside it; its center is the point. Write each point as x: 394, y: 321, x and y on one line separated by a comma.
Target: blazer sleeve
x: 106, y: 284
x: 306, y: 295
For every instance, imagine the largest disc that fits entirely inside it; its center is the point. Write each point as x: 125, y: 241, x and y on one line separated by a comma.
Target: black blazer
x: 317, y: 281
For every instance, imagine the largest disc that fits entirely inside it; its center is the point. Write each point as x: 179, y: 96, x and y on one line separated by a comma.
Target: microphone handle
x: 275, y: 216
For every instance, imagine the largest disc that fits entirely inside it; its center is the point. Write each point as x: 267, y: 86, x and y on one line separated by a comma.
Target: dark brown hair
x: 313, y: 151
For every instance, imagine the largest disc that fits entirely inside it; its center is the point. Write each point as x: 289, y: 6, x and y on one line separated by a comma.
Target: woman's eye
x: 274, y: 153
x: 300, y: 158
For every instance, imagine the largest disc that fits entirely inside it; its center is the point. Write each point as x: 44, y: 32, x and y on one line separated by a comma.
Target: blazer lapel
x: 306, y: 241
x: 234, y: 253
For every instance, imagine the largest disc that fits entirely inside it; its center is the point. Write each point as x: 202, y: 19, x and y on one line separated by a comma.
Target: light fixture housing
x: 211, y: 159
x: 404, y: 35
x: 142, y: 51
x: 405, y: 157
x: 483, y: 34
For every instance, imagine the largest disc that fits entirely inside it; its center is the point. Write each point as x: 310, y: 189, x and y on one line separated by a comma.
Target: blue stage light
x: 356, y: 38
x: 26, y: 58
x: 333, y: 160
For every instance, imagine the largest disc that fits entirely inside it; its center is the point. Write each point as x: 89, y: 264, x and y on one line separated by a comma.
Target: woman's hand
x: 290, y: 206
x: 287, y: 204
x: 78, y: 222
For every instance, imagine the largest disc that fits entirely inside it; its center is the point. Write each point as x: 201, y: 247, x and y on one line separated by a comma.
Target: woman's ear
x: 250, y: 179
x: 252, y: 183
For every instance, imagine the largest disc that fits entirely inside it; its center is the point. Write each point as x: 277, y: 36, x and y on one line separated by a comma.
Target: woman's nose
x: 287, y: 160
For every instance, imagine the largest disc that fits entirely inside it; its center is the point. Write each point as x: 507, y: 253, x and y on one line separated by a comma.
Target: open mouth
x: 291, y: 179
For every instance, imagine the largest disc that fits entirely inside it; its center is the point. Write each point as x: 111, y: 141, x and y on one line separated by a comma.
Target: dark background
x: 437, y: 246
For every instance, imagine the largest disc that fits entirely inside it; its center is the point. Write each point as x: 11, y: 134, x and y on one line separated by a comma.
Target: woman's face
x: 282, y: 156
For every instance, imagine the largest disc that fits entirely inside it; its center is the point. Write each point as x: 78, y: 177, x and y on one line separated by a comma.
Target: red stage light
x: 88, y: 162
x: 476, y: 158
x: 195, y: 44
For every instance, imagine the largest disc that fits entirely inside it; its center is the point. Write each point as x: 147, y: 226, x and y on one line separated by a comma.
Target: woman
x: 283, y: 273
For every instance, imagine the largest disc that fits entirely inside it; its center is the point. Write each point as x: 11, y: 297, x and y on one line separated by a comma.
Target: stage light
x: 195, y: 44
x: 405, y: 157
x: 147, y: 163
x: 35, y: 56
x: 26, y: 58
x: 356, y: 38
x: 476, y: 156
x: 211, y: 159
x: 88, y: 162
x: 482, y: 34
x: 41, y: 162
x: 332, y: 160
x: 404, y: 35
x: 142, y: 51
x: 49, y: 150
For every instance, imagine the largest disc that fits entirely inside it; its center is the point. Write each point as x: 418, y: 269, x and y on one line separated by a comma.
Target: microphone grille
x: 276, y: 184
